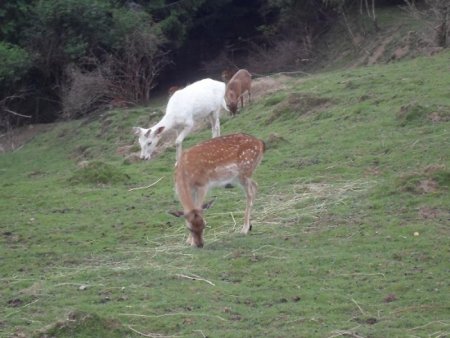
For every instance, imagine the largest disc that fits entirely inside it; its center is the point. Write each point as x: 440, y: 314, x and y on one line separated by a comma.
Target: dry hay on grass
x: 305, y: 201
x: 170, y: 256
x: 297, y: 205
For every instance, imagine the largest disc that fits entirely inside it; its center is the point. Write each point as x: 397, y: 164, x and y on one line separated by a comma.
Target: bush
x: 83, y: 92
x: 15, y: 63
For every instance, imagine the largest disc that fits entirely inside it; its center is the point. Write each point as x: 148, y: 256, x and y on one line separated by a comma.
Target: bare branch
x: 15, y: 113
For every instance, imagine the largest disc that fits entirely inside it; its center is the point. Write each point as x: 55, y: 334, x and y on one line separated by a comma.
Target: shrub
x: 15, y: 63
x: 412, y: 113
x: 83, y: 92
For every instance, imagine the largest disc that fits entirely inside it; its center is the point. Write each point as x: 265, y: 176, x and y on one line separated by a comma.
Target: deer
x: 239, y: 84
x: 186, y: 106
x: 227, y: 74
x: 215, y: 163
x: 173, y: 89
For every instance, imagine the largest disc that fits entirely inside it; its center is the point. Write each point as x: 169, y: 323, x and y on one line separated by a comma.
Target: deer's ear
x: 177, y: 213
x: 159, y: 130
x: 137, y: 130
x: 147, y: 133
x: 208, y: 204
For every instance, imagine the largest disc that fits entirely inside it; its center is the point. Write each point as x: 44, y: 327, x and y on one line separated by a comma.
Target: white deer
x: 216, y: 162
x: 201, y: 99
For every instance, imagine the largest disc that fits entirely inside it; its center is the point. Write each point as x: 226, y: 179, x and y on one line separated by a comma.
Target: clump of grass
x: 415, y: 113
x: 298, y: 104
x: 274, y: 140
x: 274, y: 99
x: 98, y: 172
x: 432, y: 179
x: 82, y: 324
x: 83, y: 151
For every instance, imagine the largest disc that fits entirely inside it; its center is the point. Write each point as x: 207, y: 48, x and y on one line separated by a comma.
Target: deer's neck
x: 184, y: 192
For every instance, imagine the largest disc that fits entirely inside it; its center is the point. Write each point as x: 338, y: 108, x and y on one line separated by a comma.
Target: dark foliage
x: 67, y: 58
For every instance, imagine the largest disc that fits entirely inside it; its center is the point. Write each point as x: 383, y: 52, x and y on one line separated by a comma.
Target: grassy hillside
x: 350, y: 227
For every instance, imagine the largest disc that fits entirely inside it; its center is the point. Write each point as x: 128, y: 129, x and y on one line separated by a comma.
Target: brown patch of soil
x: 379, y: 51
x: 16, y: 302
x: 400, y: 52
x: 427, y: 186
x: 390, y: 298
x: 437, y: 117
x: 373, y: 171
x: 429, y: 213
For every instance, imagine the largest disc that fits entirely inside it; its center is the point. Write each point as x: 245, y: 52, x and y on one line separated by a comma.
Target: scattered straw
x: 430, y: 323
x: 152, y: 335
x: 195, y: 277
x: 148, y: 186
x: 187, y: 314
x: 359, y: 307
x: 203, y: 335
x: 347, y: 333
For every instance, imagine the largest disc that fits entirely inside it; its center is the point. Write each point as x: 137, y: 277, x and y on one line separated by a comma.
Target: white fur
x: 195, y: 102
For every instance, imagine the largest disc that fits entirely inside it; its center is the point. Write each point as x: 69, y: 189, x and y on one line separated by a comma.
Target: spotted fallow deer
x: 216, y: 162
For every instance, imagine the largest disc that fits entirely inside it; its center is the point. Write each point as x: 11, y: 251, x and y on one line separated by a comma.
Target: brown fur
x: 227, y: 74
x: 172, y: 90
x: 240, y: 83
x: 216, y: 161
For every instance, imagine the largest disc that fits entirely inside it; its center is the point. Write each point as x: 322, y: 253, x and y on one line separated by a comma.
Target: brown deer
x: 172, y: 90
x: 216, y: 162
x: 240, y: 83
x: 227, y: 74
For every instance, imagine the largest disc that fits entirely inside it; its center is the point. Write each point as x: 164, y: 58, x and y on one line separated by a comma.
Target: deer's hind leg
x: 250, y: 188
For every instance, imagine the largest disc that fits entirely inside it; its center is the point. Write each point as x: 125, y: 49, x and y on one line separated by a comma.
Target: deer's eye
x: 149, y: 143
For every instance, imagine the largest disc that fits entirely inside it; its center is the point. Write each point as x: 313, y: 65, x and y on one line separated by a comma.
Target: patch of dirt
x: 427, y: 186
x: 390, y: 298
x: 16, y: 302
x: 373, y: 171
x: 429, y: 213
x: 17, y: 138
x: 439, y: 116
x: 379, y: 50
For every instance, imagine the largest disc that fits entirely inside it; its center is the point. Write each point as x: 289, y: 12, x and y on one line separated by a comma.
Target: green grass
x: 351, y: 173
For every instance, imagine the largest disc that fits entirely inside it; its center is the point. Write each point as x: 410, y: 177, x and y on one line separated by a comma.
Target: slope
x: 350, y: 227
